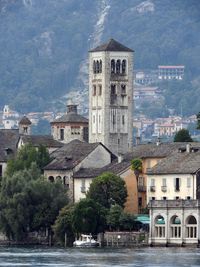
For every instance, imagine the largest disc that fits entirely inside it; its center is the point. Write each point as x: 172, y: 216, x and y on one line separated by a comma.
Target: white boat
x: 85, y: 241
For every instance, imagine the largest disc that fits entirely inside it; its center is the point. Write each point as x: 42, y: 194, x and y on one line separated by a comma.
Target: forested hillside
x: 44, y: 44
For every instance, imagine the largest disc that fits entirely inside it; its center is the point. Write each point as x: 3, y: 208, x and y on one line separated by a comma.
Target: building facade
x: 111, y: 96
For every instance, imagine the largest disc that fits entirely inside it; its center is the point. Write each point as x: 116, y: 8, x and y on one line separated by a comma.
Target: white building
x: 111, y: 96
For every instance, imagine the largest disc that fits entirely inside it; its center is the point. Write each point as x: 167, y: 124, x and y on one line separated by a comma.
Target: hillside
x: 44, y: 44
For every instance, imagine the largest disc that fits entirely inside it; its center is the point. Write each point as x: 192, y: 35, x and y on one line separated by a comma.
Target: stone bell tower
x: 111, y: 96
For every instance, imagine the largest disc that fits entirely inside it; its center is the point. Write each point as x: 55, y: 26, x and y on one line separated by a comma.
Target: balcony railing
x: 141, y: 188
x: 152, y: 188
x: 164, y: 188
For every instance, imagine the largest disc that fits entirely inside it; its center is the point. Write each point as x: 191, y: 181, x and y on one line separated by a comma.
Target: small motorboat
x: 86, y: 241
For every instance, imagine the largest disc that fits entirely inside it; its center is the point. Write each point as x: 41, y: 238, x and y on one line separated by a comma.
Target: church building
x: 111, y: 96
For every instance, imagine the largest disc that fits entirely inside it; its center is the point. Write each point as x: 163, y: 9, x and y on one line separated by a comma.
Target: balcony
x: 152, y: 188
x: 141, y: 188
x: 164, y: 188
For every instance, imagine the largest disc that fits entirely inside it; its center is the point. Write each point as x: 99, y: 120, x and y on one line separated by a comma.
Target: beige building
x: 70, y: 126
x: 173, y: 193
x: 111, y: 96
x: 175, y: 176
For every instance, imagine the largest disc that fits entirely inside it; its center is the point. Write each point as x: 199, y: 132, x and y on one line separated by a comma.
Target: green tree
x: 63, y: 226
x: 198, y: 121
x: 28, y: 202
x: 26, y: 155
x: 127, y: 221
x: 183, y: 135
x: 107, y: 189
x: 113, y: 217
x: 88, y: 217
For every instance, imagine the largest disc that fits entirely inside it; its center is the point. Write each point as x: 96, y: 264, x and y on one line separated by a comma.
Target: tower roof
x: 112, y: 45
x: 25, y: 120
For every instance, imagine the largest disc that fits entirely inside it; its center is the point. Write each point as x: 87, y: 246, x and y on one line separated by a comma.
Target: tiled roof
x: 25, y: 120
x: 113, y: 167
x: 37, y: 140
x: 8, y: 143
x: 112, y: 45
x: 70, y: 155
x: 178, y: 163
x: 71, y: 117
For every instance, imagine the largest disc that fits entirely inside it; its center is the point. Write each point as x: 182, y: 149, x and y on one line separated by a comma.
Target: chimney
x: 188, y: 148
x: 71, y: 108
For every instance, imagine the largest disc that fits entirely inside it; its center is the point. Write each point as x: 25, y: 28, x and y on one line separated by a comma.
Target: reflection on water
x: 165, y: 257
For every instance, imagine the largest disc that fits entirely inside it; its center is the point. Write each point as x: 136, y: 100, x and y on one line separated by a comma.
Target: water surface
x: 37, y: 257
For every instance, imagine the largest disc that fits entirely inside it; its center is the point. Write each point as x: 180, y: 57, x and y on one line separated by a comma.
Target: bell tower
x: 111, y: 96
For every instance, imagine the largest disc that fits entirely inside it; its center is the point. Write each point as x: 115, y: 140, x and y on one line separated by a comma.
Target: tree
x: 28, y: 202
x: 26, y: 155
x: 183, y: 135
x: 63, y: 225
x: 136, y: 166
x: 107, y: 189
x: 113, y: 218
x: 198, y: 121
x: 88, y: 217
x: 127, y: 221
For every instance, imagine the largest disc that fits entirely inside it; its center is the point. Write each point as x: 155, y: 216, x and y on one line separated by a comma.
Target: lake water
x: 100, y: 257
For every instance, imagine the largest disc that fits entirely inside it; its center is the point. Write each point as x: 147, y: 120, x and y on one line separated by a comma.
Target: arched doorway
x: 191, y: 227
x: 175, y: 227
x: 51, y: 179
x: 160, y: 226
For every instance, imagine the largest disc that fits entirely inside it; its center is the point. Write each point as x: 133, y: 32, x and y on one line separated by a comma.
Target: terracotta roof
x: 37, y: 140
x: 70, y: 155
x: 25, y: 120
x: 178, y: 163
x: 71, y: 117
x: 8, y: 143
x: 112, y: 45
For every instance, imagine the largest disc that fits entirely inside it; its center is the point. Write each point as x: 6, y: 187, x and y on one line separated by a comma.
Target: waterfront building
x: 111, y: 96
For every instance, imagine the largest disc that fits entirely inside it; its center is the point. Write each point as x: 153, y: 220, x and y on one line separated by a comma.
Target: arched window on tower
x: 97, y: 66
x: 112, y: 66
x: 94, y: 67
x: 124, y: 66
x: 118, y: 66
x: 100, y: 66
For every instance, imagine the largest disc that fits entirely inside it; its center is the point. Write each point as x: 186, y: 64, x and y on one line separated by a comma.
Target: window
x: 153, y: 198
x: 152, y: 182
x: 97, y: 66
x: 113, y: 89
x: 25, y: 129
x: 114, y: 118
x: 140, y: 201
x: 1, y: 170
x: 175, y: 227
x: 94, y: 90
x: 112, y: 66
x: 123, y: 119
x: 51, y: 179
x: 94, y: 66
x: 83, y: 189
x: 177, y: 184
x: 100, y: 66
x: 75, y: 129
x: 188, y: 198
x: 100, y: 90
x: 164, y: 198
x: 188, y: 182
x: 118, y: 66
x: 176, y: 197
x: 61, y: 134
x: 123, y: 89
x: 164, y: 182
x: 123, y: 66
x: 93, y: 118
